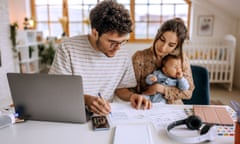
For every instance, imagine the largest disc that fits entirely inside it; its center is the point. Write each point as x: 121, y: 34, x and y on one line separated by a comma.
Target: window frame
x: 132, y: 11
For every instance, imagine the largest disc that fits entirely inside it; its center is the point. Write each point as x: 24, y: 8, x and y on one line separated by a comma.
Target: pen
x: 99, y: 94
x: 236, y: 106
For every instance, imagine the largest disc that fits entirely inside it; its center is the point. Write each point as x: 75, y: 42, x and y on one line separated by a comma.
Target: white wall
x: 18, y: 10
x: 8, y: 64
x: 223, y: 23
x: 133, y: 47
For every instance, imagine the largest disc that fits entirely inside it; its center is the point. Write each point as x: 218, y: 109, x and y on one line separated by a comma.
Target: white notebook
x: 132, y: 134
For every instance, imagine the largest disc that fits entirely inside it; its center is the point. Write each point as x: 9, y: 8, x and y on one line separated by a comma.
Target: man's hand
x: 97, y: 105
x: 140, y: 102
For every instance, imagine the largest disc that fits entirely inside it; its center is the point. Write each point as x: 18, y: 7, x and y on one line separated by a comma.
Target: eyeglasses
x: 114, y: 44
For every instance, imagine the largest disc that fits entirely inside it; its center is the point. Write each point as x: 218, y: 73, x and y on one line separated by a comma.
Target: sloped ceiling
x: 230, y: 6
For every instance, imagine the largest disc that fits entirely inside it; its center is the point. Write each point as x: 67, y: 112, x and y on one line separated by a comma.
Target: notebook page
x: 132, y: 134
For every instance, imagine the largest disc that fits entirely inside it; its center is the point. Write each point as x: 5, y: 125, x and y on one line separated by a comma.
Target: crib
x: 217, y: 55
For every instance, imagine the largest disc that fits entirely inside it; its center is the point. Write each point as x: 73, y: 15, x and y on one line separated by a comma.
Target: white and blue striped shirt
x: 100, y: 73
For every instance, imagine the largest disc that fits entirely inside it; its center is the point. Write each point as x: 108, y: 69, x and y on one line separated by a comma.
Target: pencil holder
x: 237, y: 133
x: 6, y: 120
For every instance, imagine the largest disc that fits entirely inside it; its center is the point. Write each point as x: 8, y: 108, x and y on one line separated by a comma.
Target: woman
x: 169, y: 40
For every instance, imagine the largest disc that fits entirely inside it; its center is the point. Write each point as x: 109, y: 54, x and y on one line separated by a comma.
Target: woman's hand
x: 140, y: 102
x: 155, y: 88
x: 97, y: 105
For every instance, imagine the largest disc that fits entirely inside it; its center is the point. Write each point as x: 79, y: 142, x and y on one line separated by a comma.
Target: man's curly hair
x: 110, y: 16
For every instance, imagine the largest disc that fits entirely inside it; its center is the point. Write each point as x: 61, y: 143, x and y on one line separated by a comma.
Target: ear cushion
x: 205, y: 129
x: 193, y: 122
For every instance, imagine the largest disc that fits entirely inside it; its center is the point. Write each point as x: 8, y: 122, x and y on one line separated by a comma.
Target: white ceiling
x: 230, y: 6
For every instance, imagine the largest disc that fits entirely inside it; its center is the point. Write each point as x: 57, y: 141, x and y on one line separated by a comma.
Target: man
x: 105, y: 67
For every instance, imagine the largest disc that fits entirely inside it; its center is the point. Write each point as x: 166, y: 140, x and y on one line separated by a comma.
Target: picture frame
x: 205, y: 25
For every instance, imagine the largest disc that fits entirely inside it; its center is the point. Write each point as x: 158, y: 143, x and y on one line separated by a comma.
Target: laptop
x: 44, y: 97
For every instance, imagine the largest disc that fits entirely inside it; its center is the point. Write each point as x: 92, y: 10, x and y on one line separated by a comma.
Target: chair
x: 201, y: 93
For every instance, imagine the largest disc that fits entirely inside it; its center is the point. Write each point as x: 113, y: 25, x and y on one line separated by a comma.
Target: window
x: 148, y: 15
x: 78, y: 13
x: 47, y: 14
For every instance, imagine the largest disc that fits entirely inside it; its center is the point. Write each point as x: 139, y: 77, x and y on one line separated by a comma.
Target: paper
x: 124, y: 113
x: 160, y: 115
x: 132, y: 134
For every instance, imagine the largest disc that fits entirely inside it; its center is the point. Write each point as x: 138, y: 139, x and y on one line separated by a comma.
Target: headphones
x: 206, y: 132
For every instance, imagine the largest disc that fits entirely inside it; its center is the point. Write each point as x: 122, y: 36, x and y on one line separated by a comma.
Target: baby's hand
x: 179, y: 75
x: 153, y: 78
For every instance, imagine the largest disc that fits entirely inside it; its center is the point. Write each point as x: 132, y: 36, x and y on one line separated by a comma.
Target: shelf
x: 28, y: 42
x: 29, y: 36
x: 29, y: 60
x: 30, y: 67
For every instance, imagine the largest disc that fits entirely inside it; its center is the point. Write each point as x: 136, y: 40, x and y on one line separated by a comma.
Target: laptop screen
x: 46, y: 97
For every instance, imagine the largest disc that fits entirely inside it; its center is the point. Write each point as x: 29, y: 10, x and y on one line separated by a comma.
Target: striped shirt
x: 100, y: 73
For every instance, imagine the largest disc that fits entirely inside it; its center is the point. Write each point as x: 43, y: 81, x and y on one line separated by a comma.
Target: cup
x: 6, y: 120
x: 237, y: 133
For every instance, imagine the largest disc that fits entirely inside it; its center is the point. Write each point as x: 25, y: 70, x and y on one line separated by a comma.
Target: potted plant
x: 13, y: 35
x: 46, y: 53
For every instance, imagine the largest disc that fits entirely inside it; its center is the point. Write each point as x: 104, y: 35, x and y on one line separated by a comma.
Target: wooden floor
x: 220, y: 94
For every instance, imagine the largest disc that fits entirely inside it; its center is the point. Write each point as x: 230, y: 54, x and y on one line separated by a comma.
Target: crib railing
x: 217, y: 55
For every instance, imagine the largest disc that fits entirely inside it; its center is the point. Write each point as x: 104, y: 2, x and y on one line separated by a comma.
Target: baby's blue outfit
x: 182, y: 84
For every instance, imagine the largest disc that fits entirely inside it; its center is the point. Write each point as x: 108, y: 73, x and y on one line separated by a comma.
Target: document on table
x: 160, y: 115
x: 132, y: 134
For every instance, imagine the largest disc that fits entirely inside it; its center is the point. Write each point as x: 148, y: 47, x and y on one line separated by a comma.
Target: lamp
x: 28, y: 23
x: 31, y: 23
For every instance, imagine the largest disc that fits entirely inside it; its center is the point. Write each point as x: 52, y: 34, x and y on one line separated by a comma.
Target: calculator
x: 100, y: 123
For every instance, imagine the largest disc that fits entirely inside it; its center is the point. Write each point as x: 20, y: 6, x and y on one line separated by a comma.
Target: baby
x: 170, y: 74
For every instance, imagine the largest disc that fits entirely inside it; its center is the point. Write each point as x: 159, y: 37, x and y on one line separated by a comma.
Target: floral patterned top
x: 145, y: 62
